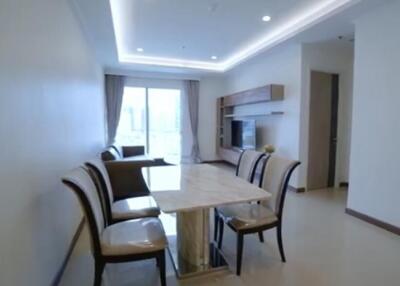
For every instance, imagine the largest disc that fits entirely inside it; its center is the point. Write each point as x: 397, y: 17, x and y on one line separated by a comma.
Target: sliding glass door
x: 132, y: 125
x: 164, y: 122
x: 151, y: 117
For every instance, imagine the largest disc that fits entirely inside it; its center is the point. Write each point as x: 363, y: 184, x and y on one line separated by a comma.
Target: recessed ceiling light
x: 140, y: 50
x: 266, y: 18
x: 214, y: 57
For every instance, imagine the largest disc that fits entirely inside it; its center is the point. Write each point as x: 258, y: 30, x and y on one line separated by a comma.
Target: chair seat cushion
x: 135, y: 208
x: 246, y: 215
x: 133, y: 237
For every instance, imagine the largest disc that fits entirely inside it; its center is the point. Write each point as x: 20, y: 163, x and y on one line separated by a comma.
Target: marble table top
x: 199, y: 186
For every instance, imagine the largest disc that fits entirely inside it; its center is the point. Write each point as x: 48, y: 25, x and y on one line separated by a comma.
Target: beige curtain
x: 191, y: 90
x: 114, y: 90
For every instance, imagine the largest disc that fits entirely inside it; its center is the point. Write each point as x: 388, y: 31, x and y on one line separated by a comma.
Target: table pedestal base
x: 217, y: 263
x: 193, y: 254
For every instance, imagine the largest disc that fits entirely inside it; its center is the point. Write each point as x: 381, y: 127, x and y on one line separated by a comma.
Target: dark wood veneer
x: 296, y: 190
x: 214, y: 162
x: 386, y: 226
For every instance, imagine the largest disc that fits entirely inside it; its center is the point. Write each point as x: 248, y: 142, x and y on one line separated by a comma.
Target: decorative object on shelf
x: 269, y: 149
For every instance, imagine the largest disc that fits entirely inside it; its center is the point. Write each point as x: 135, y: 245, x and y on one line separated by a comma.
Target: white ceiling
x: 196, y: 30
x: 182, y: 35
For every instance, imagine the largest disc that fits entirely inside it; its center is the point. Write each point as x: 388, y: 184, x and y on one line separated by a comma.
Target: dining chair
x: 245, y: 169
x: 126, y: 241
x: 116, y: 211
x: 255, y: 218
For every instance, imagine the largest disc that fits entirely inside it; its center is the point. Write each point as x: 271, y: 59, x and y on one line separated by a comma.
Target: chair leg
x: 161, y: 264
x: 215, y: 224
x: 239, y: 253
x: 280, y: 244
x: 98, y: 272
x: 221, y: 232
x: 261, y: 236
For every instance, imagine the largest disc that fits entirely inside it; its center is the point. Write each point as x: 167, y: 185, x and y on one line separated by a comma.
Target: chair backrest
x: 277, y: 173
x: 259, y: 170
x: 100, y: 174
x: 80, y: 182
x: 247, y: 164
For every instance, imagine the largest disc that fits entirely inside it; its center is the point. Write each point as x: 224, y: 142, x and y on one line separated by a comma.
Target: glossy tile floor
x: 324, y: 246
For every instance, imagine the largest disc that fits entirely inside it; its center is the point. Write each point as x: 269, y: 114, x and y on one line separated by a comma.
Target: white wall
x: 374, y: 164
x: 290, y: 66
x: 279, y: 66
x: 331, y: 57
x: 51, y: 119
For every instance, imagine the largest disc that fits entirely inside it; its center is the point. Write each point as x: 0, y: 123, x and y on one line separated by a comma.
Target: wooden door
x: 323, y: 109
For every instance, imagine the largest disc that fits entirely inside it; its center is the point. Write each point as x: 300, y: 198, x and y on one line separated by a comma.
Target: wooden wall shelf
x: 226, y: 112
x: 272, y: 92
x: 253, y: 115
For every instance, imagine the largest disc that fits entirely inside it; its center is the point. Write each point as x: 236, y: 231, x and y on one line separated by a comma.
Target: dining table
x: 188, y: 192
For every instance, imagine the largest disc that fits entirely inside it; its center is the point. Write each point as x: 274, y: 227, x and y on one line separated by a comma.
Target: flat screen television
x: 244, y: 134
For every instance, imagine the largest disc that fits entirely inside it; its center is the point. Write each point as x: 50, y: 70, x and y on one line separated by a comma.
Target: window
x: 132, y: 125
x: 151, y: 117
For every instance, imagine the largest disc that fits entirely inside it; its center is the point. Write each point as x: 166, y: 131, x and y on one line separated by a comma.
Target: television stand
x: 230, y: 155
x: 230, y: 108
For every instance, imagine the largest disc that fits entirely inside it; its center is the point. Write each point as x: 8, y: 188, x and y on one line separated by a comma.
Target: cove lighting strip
x: 298, y: 23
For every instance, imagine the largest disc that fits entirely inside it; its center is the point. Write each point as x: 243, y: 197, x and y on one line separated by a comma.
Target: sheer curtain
x: 114, y: 91
x: 190, y: 115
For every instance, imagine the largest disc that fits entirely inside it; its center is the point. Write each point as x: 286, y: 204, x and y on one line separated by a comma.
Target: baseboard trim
x: 344, y: 184
x: 219, y: 162
x: 60, y: 272
x: 213, y: 161
x: 386, y: 226
x: 296, y: 190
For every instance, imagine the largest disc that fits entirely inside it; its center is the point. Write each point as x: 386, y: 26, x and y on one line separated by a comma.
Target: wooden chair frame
x: 216, y: 215
x: 260, y: 229
x: 100, y: 259
x: 101, y: 186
